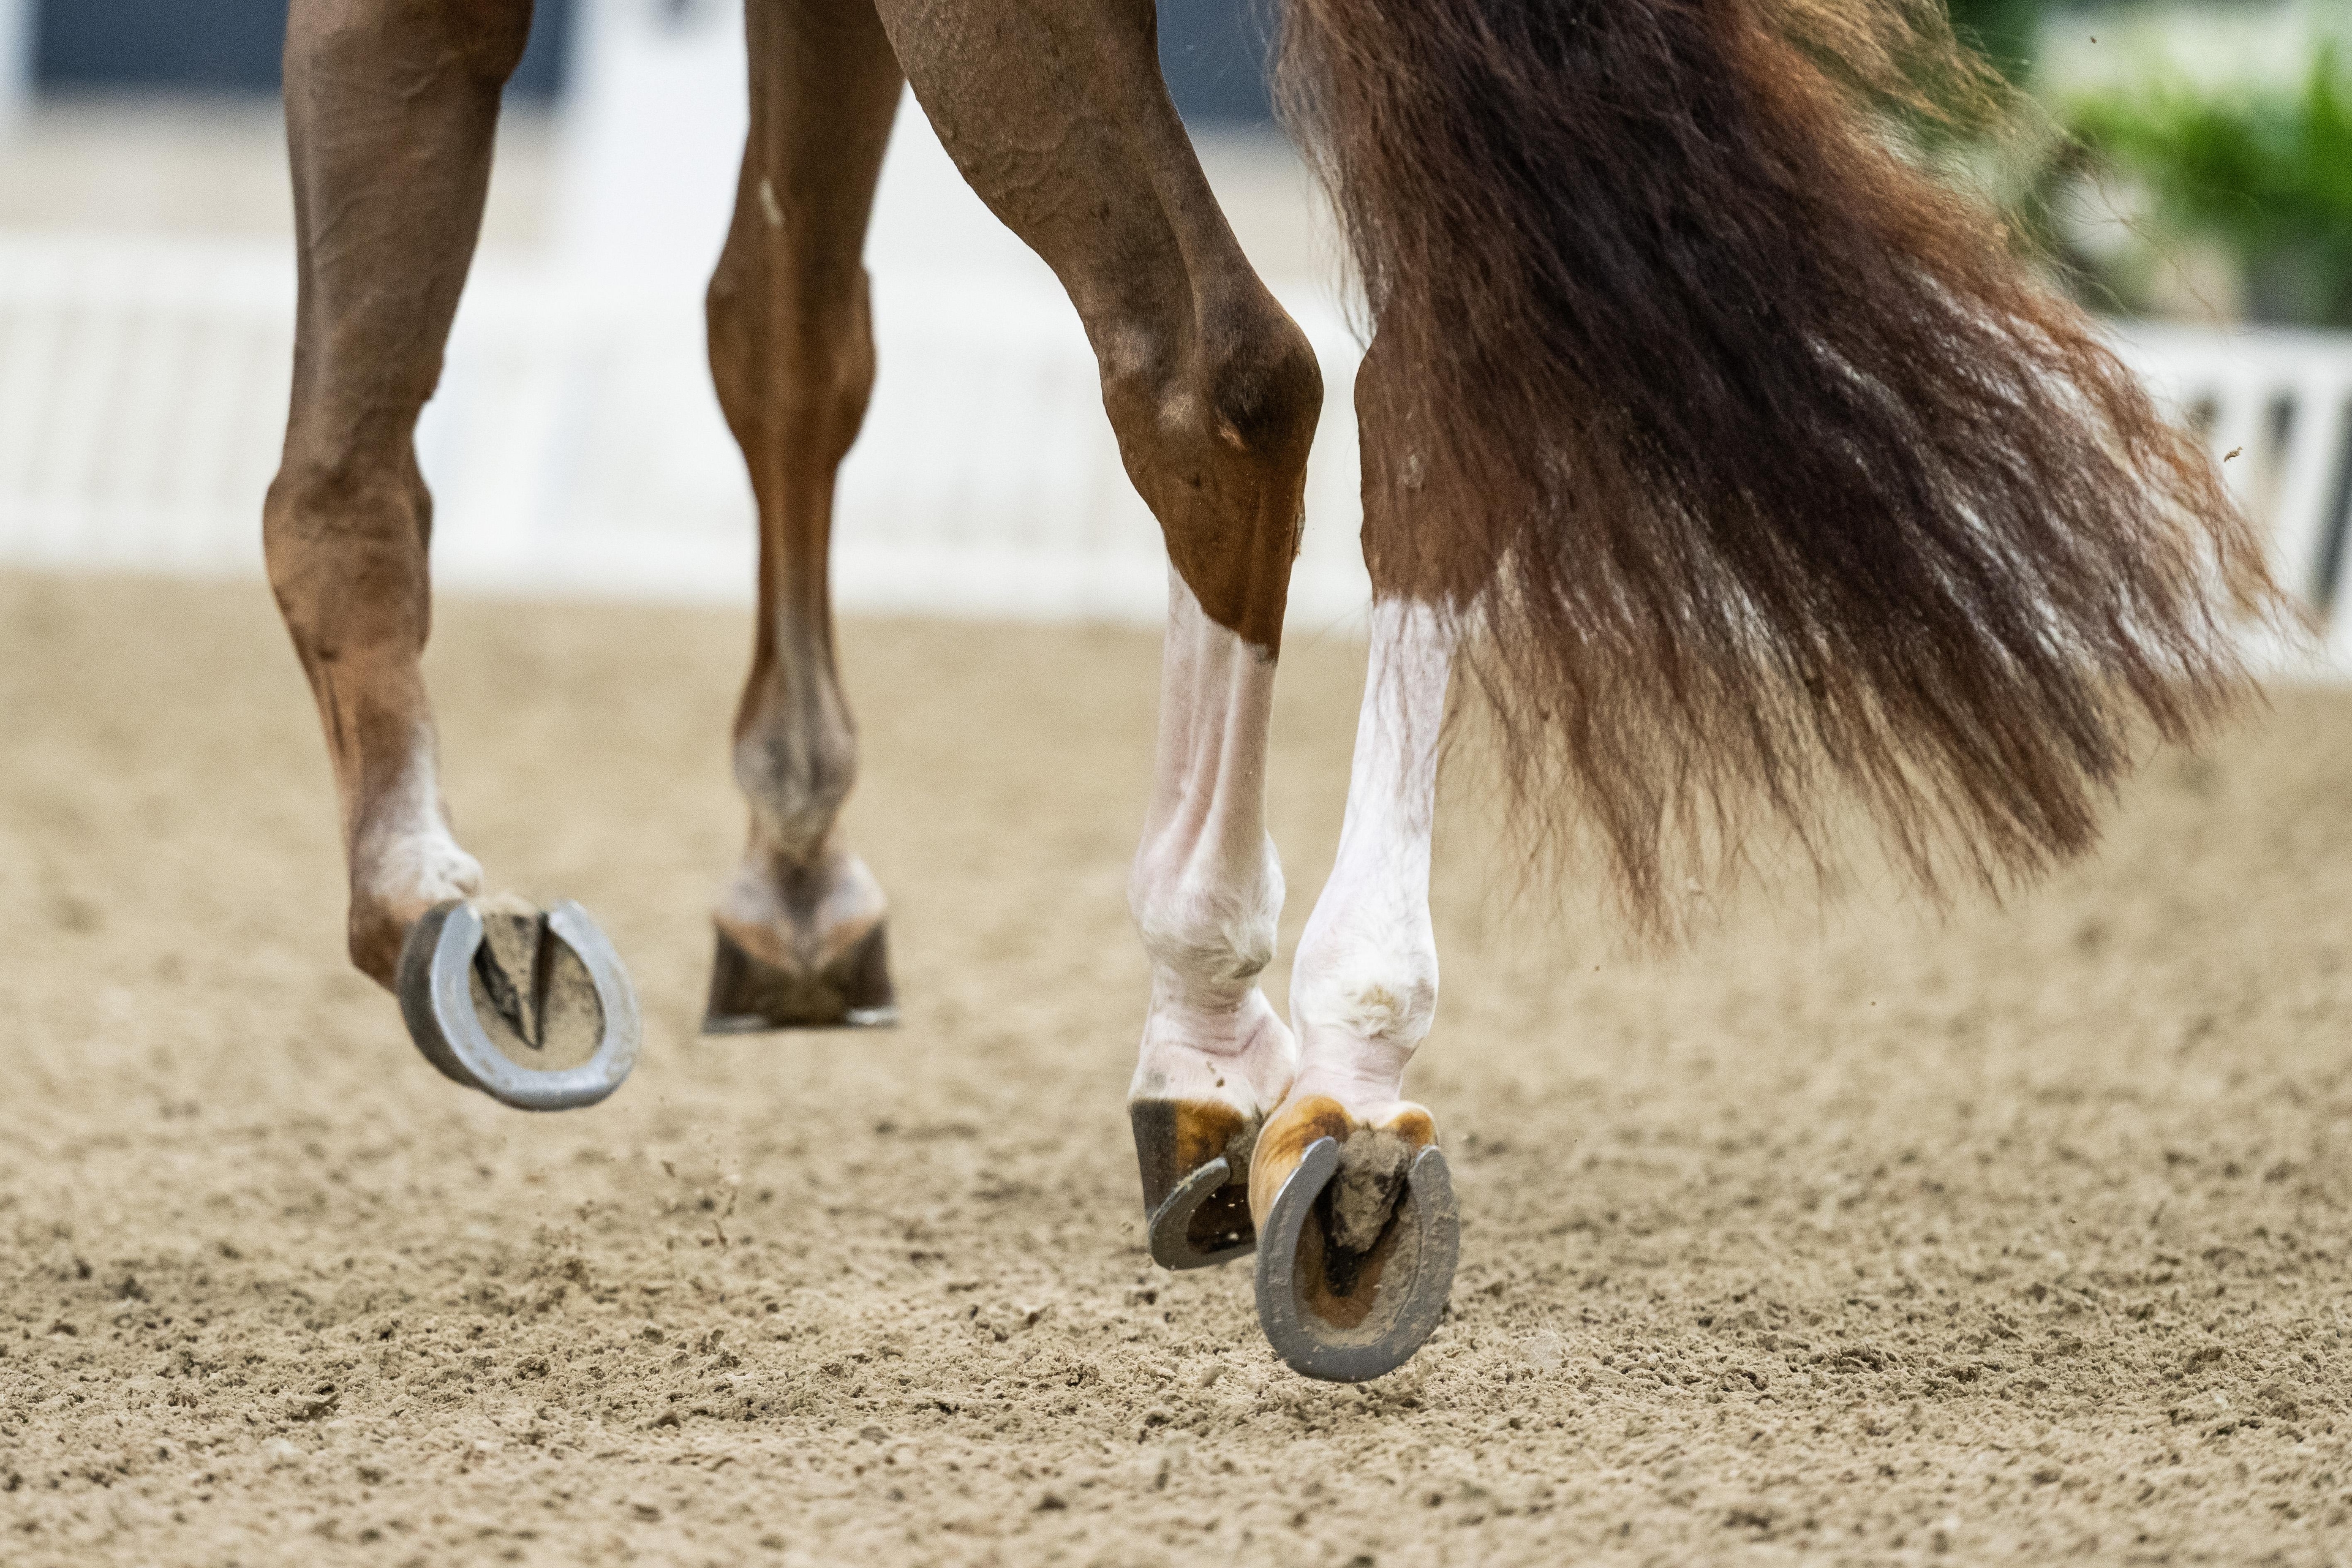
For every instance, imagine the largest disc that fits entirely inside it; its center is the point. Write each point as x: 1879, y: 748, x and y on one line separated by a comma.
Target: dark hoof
x: 1195, y: 1201
x: 448, y: 985
x: 1352, y: 1317
x: 749, y: 994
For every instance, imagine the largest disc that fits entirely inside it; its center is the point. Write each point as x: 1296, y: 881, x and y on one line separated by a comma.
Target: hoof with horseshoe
x: 532, y: 1009
x: 751, y: 995
x: 1194, y: 1159
x: 1358, y: 1235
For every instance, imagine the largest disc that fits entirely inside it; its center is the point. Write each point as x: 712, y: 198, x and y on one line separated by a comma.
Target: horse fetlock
x: 1386, y: 996
x: 1208, y: 956
x: 796, y: 776
x: 1208, y: 931
x: 396, y: 879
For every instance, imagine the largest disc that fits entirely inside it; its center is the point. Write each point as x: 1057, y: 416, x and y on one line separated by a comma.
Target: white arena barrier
x: 575, y: 447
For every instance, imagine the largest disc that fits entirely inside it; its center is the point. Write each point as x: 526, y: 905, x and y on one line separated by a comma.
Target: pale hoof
x: 1193, y: 1156
x: 1351, y: 1317
x: 454, y: 993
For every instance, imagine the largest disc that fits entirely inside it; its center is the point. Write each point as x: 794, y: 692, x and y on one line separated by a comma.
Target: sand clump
x: 1853, y: 1238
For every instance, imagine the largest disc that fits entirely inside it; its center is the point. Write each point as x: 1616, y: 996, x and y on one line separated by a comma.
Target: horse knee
x: 343, y: 541
x: 791, y: 348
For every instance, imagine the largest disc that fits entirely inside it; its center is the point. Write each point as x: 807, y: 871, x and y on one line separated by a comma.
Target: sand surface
x: 1853, y: 1238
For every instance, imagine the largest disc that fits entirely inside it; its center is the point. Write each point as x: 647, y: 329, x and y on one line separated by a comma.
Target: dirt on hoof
x: 1363, y: 1192
x: 1848, y: 1237
x: 532, y: 996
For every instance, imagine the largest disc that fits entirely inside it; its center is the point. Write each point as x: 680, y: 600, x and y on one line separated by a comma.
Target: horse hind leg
x: 1352, y: 1199
x: 391, y: 109
x: 1214, y: 393
x: 800, y: 923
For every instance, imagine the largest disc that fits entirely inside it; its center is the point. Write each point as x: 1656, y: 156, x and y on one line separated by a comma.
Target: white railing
x: 575, y: 447
x: 2276, y: 408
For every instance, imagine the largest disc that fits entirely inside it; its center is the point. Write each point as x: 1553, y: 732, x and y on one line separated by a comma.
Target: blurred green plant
x: 2267, y: 175
x: 2002, y: 30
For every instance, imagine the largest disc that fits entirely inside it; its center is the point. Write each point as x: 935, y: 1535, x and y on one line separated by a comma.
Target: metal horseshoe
x: 1170, y: 1231
x: 436, y: 999
x: 1405, y: 1310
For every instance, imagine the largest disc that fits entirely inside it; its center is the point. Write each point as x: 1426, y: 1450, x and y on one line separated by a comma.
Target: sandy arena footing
x: 1848, y: 1237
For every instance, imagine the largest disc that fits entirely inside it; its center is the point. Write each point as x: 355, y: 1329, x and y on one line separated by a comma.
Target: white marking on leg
x: 768, y: 208
x: 405, y: 850
x: 1206, y: 888
x: 1363, y: 991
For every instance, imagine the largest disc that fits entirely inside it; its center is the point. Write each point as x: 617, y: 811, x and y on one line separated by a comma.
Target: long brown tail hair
x: 1765, y: 470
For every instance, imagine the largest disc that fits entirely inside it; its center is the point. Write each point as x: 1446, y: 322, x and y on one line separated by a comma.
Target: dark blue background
x: 1213, y: 50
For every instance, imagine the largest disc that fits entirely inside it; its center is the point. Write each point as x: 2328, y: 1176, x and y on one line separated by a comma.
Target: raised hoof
x: 453, y: 992
x: 1349, y: 1318
x: 750, y: 994
x: 1195, y: 1201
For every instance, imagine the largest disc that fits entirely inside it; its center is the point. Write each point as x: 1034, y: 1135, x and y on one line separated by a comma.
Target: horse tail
x: 1765, y: 474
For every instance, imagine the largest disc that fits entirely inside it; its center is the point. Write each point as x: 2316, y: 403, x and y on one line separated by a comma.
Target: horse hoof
x: 538, y: 976
x: 1351, y: 1317
x: 1195, y: 1201
x: 750, y: 996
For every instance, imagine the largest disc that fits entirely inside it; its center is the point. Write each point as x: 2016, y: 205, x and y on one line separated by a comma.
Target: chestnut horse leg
x: 390, y: 109
x: 1056, y: 112
x: 800, y: 933
x: 1350, y: 1286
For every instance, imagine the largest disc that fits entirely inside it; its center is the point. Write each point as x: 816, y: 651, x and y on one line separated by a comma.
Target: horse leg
x: 1055, y: 113
x: 800, y: 925
x: 1350, y: 1287
x: 389, y: 111
x: 391, y: 108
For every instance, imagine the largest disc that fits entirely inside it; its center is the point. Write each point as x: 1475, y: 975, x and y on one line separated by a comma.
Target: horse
x: 1745, y: 466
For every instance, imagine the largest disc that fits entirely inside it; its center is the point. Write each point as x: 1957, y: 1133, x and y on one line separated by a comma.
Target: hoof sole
x: 435, y: 989
x: 1396, y: 1293
x: 750, y: 996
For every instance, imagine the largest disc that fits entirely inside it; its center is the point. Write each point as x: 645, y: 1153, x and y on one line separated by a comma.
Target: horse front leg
x: 390, y: 109
x: 800, y: 923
